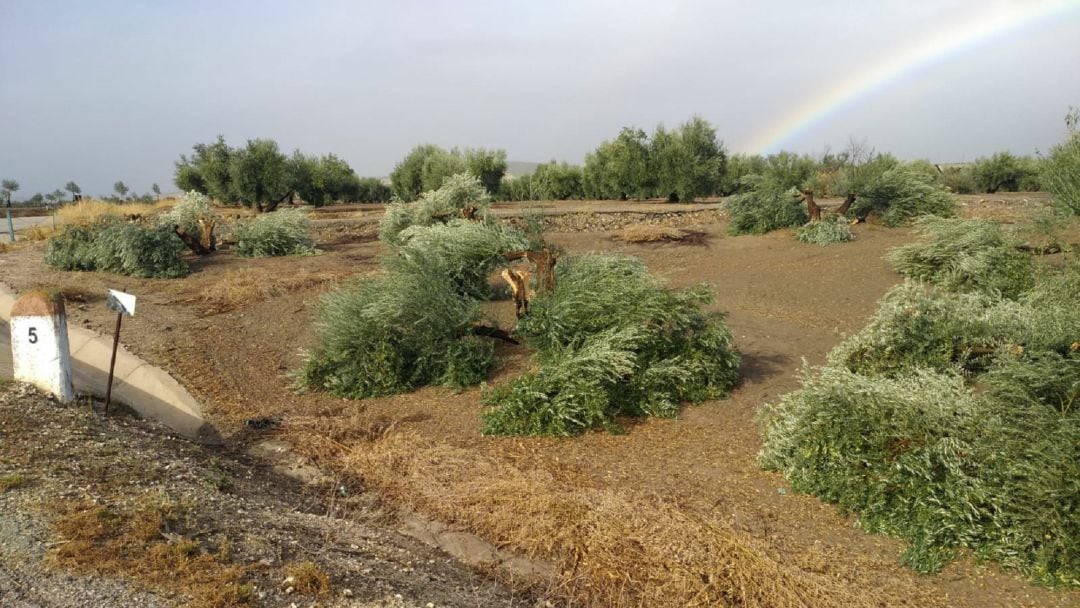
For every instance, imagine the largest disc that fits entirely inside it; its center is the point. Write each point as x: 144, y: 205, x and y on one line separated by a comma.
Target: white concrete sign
x: 121, y: 302
x: 39, y: 344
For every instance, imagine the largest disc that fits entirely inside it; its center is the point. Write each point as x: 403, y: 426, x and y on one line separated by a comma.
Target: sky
x: 110, y: 90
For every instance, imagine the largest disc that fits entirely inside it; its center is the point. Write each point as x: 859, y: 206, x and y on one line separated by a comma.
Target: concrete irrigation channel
x: 148, y: 390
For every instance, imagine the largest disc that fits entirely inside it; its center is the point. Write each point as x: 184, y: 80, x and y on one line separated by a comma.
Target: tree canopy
x: 426, y: 166
x: 260, y: 176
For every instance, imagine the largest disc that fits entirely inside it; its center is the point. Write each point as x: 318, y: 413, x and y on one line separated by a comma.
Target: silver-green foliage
x: 193, y: 206
x: 612, y: 340
x: 465, y: 251
x: 119, y: 247
x: 394, y: 332
x: 826, y: 232
x: 458, y: 192
x: 1061, y: 170
x: 950, y: 420
x: 285, y: 232
x: 901, y: 194
x: 919, y: 327
x: 767, y: 206
x: 926, y: 458
x: 965, y: 255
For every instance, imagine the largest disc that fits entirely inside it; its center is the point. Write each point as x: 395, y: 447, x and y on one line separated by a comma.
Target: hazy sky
x: 111, y: 89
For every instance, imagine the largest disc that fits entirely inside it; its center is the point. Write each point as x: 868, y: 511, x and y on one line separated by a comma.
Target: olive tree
x: 619, y: 168
x: 488, y: 165
x: 259, y: 174
x: 9, y: 187
x: 74, y: 189
x: 687, y: 163
x: 207, y: 171
x: 322, y: 180
x: 421, y: 167
x: 427, y: 166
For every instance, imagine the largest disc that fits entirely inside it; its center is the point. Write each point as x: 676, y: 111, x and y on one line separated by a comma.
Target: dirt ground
x: 70, y: 459
x: 786, y: 303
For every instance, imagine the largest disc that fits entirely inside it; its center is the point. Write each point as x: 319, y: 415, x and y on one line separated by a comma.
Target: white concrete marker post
x: 122, y: 303
x: 39, y: 343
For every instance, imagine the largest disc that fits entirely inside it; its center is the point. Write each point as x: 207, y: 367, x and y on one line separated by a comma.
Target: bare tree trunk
x: 206, y: 230
x: 849, y: 200
x: 518, y: 280
x: 192, y: 243
x: 811, y: 205
x: 544, y: 260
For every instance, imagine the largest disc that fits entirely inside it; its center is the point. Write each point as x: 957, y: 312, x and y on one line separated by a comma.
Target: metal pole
x: 10, y: 223
x: 112, y: 362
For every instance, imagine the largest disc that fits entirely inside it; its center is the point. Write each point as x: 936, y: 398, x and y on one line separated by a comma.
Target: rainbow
x: 929, y: 49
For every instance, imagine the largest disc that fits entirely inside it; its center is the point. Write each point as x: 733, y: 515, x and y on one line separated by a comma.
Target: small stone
x: 346, y: 592
x: 289, y: 590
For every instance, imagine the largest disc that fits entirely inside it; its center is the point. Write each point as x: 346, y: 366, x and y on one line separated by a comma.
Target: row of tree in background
x: 72, y: 192
x: 681, y: 164
x: 624, y: 168
x: 260, y: 176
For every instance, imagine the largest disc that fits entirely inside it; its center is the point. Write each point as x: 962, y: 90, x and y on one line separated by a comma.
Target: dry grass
x: 244, y: 286
x: 140, y: 542
x: 307, y: 578
x: 88, y: 211
x: 12, y: 481
x: 40, y: 232
x: 610, y: 549
x: 648, y: 233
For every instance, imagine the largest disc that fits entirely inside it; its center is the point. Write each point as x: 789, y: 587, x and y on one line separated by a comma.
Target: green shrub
x: 1061, y: 170
x: 458, y: 192
x: 958, y: 179
x: 551, y: 181
x: 950, y: 420
x: 573, y: 392
x: 465, y: 251
x: 915, y: 327
x: 285, y: 232
x: 919, y: 327
x: 826, y: 232
x: 73, y: 247
x: 193, y: 206
x: 965, y: 255
x: 393, y: 332
x: 1043, y: 377
x: 1046, y: 317
x: 611, y: 340
x: 767, y: 206
x: 925, y: 458
x: 1004, y: 172
x: 899, y: 195
x: 372, y: 190
x: 119, y: 247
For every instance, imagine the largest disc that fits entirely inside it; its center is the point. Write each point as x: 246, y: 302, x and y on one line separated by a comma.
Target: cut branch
x: 1050, y: 249
x: 191, y: 242
x: 849, y: 200
x: 493, y: 332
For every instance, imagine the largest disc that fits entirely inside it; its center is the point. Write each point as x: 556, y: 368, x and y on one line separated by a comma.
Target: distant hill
x: 516, y: 168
